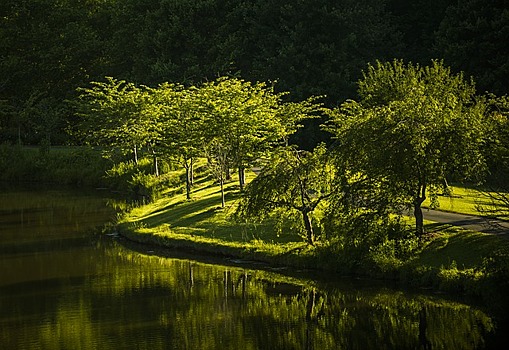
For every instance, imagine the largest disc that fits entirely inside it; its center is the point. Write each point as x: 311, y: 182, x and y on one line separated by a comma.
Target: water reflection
x: 89, y: 292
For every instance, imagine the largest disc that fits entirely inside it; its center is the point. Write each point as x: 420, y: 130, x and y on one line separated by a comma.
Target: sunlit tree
x: 295, y: 182
x: 412, y: 128
x: 116, y: 114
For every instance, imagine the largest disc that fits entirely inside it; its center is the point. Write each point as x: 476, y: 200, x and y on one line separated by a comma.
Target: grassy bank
x: 449, y: 259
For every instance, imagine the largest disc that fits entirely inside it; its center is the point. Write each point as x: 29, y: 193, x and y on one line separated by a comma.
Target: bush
x: 378, y: 246
x: 137, y: 180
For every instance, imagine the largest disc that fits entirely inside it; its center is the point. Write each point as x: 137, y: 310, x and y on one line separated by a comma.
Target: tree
x: 182, y: 121
x: 293, y: 181
x: 413, y: 127
x: 117, y: 114
x: 245, y: 118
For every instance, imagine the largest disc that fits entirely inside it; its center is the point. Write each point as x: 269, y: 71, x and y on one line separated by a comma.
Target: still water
x: 63, y: 286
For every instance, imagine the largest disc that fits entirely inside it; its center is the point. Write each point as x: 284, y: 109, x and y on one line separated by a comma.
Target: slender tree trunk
x: 188, y: 181
x: 135, y: 154
x: 310, y: 236
x: 156, y: 163
x: 242, y: 178
x: 191, y: 172
x: 228, y: 173
x: 419, y: 218
x: 221, y: 182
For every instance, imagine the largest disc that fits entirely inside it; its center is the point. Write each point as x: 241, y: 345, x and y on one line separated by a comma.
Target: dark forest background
x: 48, y: 48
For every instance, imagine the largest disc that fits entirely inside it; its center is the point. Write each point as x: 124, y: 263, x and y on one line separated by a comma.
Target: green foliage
x: 472, y: 38
x: 311, y: 47
x: 138, y: 180
x: 412, y: 128
x: 293, y: 181
x: 367, y: 243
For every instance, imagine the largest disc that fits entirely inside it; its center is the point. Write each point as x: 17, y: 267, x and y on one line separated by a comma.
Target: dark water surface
x: 64, y: 287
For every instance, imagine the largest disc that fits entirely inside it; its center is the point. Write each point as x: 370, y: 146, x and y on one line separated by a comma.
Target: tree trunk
x: 310, y: 236
x: 188, y: 181
x: 156, y: 163
x: 228, y: 174
x: 419, y: 218
x: 135, y: 154
x: 242, y: 178
x: 191, y: 176
x: 221, y: 181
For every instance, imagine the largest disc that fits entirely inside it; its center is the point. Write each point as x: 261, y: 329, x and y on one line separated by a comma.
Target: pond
x: 64, y: 286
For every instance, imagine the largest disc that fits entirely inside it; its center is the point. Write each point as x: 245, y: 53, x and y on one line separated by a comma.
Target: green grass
x: 202, y: 224
x: 464, y: 200
x: 466, y: 249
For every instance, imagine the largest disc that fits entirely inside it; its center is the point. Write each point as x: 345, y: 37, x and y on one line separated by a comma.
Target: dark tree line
x: 49, y: 48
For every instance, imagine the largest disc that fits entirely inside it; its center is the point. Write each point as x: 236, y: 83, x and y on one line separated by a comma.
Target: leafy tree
x: 295, y: 182
x: 246, y: 119
x: 412, y: 127
x: 182, y: 119
x: 117, y: 114
x: 217, y: 156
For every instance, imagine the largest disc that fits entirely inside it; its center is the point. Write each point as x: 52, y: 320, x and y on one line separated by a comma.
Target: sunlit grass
x: 201, y: 221
x: 464, y: 200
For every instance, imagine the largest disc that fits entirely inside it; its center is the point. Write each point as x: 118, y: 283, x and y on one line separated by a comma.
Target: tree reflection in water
x: 162, y: 303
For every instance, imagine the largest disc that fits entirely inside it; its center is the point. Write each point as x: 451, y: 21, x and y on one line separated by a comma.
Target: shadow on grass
x: 467, y: 249
x: 184, y: 213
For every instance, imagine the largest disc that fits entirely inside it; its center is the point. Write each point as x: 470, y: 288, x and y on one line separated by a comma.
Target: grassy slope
x: 451, y: 257
x: 203, y: 225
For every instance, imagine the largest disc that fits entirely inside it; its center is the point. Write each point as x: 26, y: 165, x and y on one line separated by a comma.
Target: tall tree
x: 412, y: 127
x: 247, y: 119
x: 182, y: 117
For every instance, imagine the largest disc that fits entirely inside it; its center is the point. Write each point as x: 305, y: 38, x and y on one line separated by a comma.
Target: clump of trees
x: 231, y: 122
x: 311, y: 47
x: 413, y: 129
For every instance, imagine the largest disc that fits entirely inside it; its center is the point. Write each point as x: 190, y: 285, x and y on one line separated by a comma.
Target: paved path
x: 470, y: 222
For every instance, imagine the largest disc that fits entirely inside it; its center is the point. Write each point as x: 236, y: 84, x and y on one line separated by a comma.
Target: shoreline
x: 414, y: 274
